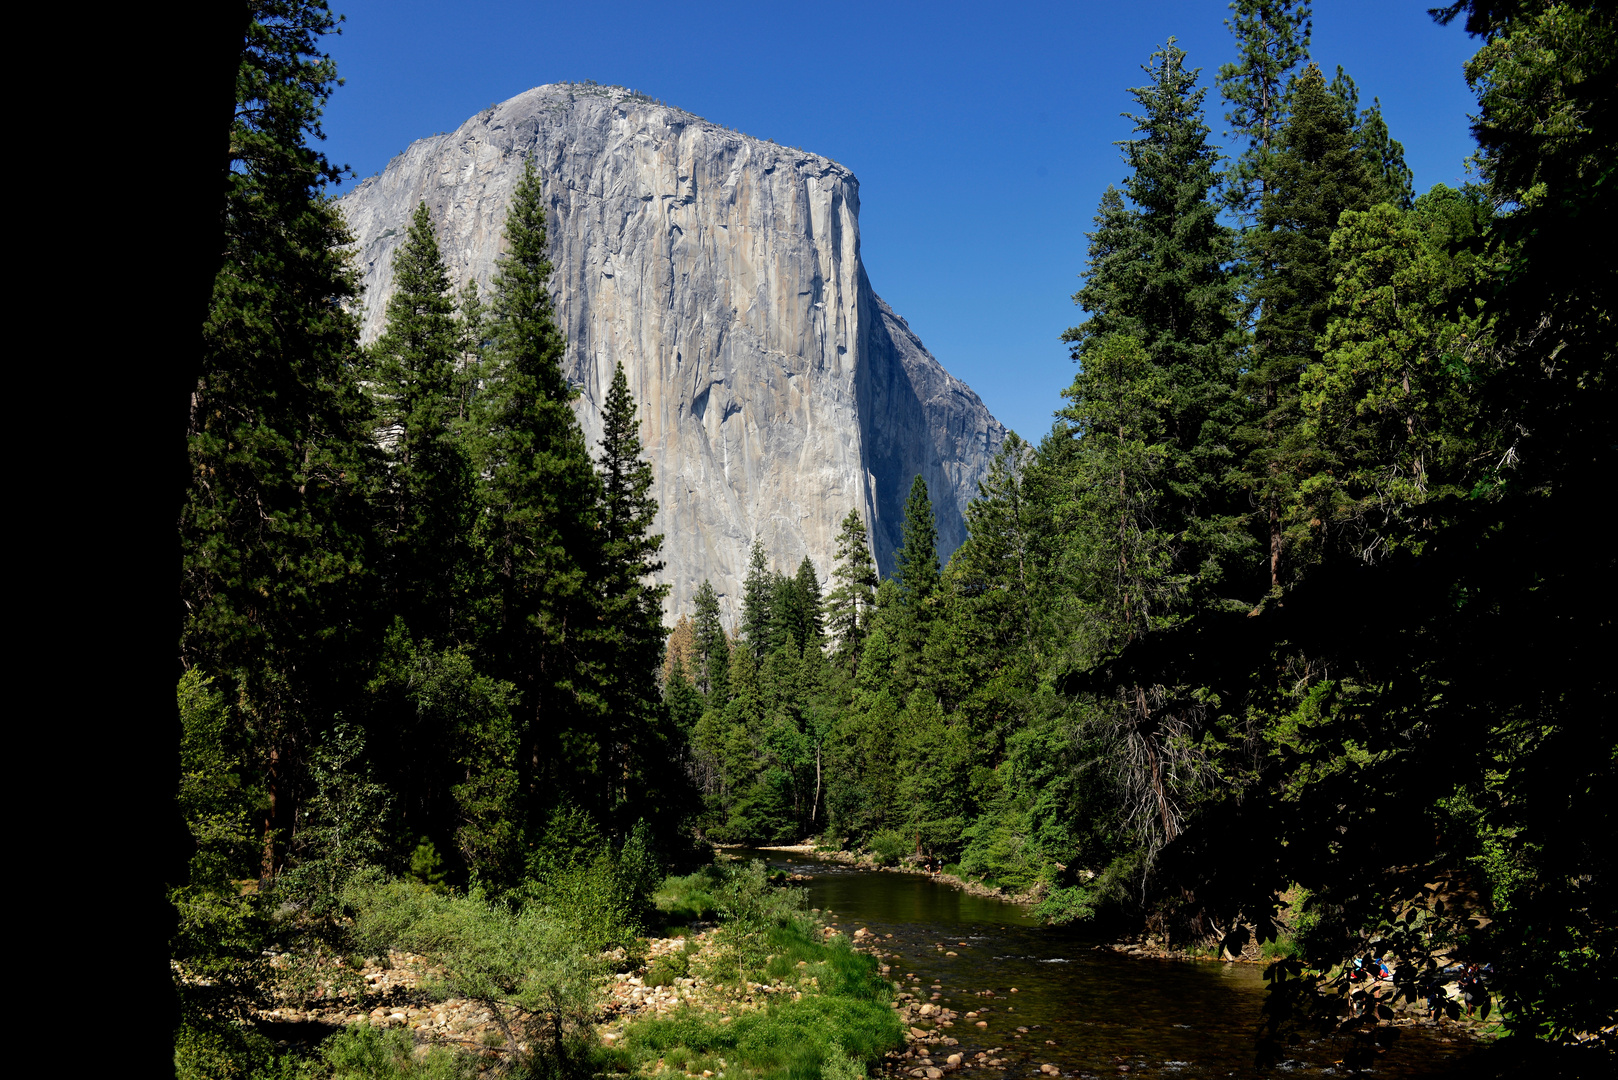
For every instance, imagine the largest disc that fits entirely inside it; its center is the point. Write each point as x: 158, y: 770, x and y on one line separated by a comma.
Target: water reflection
x: 1047, y: 996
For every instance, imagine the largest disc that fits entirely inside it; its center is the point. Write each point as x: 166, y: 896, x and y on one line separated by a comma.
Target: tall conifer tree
x: 916, y: 561
x: 414, y: 380
x: 631, y: 603
x: 849, y: 603
x: 1318, y: 171
x: 916, y: 586
x: 537, y: 525
x: 1159, y: 274
x: 276, y: 530
x: 713, y: 648
x: 809, y: 630
x: 758, y: 601
x: 1272, y: 39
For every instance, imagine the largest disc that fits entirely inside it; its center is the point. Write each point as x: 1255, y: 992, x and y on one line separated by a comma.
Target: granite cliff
x: 777, y: 389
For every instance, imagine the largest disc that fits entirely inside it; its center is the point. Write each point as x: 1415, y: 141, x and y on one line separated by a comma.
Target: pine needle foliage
x: 539, y: 514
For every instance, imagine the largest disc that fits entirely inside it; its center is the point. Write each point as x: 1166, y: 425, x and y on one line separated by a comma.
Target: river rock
x: 777, y: 390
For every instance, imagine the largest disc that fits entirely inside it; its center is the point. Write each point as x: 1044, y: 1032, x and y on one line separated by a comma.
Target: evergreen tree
x: 1158, y: 266
x: 713, y: 649
x: 1272, y: 39
x: 916, y: 580
x: 994, y: 572
x: 849, y: 603
x: 1119, y: 401
x: 1318, y: 171
x: 1390, y: 178
x: 684, y: 700
x: 1158, y: 274
x: 473, y: 313
x: 758, y: 596
x: 916, y: 561
x: 537, y: 528
x: 277, y: 555
x: 808, y: 627
x: 786, y: 610
x: 1387, y: 402
x: 631, y: 605
x: 426, y: 506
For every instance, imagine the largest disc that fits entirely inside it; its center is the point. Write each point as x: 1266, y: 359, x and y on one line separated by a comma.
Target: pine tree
x: 277, y: 538
x: 1318, y: 171
x: 758, y: 596
x: 537, y: 529
x: 916, y: 580
x: 849, y: 603
x: 808, y: 630
x: 1272, y: 39
x: 1390, y: 178
x: 713, y: 648
x: 631, y: 605
x: 1387, y: 403
x: 786, y: 609
x: 1158, y: 274
x: 916, y: 561
x: 426, y: 507
x: 1119, y: 402
x: 474, y: 341
x: 995, y: 571
x: 683, y: 700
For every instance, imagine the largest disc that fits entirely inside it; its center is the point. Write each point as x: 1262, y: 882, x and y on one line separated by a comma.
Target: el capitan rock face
x: 777, y: 390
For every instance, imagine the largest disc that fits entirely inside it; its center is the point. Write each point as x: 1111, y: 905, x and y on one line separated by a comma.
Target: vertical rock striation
x: 777, y: 390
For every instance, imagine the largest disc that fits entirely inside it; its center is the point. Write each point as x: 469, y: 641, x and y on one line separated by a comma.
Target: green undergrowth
x: 688, y: 899
x: 841, y: 1022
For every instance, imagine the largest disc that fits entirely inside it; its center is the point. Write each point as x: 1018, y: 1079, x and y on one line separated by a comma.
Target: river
x: 1089, y: 1013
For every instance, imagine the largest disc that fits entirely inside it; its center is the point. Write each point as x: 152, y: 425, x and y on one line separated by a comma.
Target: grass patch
x: 1283, y: 947
x: 688, y: 899
x: 841, y: 1022
x: 665, y: 969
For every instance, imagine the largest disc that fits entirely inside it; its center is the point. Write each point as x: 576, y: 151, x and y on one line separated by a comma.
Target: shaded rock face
x: 777, y: 390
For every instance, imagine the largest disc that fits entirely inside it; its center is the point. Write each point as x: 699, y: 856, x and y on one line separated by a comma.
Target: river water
x: 1090, y: 1013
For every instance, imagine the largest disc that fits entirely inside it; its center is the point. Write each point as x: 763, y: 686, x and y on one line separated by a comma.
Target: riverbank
x: 864, y: 860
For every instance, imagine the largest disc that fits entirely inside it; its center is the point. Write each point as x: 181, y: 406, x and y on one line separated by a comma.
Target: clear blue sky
x: 981, y: 133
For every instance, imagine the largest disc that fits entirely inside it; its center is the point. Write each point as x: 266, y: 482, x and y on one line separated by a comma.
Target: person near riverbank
x: 1367, y: 971
x: 1474, y: 990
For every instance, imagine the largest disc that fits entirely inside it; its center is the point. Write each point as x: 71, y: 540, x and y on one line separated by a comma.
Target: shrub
x: 665, y: 969
x: 362, y: 1052
x: 838, y: 1065
x: 206, y: 1048
x: 576, y: 876
x: 690, y: 898
x: 511, y: 960
x: 889, y: 846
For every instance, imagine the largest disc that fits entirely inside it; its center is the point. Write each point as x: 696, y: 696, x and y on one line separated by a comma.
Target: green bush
x: 514, y: 960
x: 889, y: 846
x: 362, y: 1052
x: 791, y: 1038
x: 577, y: 877
x: 209, y: 1049
x: 839, y: 1065
x: 690, y: 898
x: 665, y: 969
